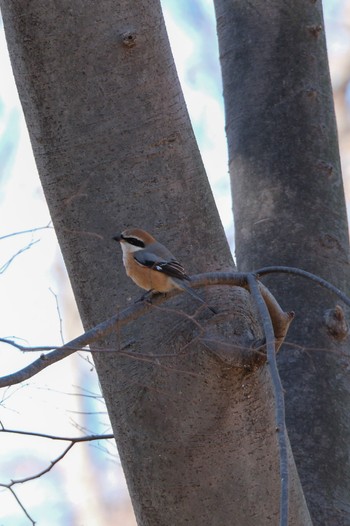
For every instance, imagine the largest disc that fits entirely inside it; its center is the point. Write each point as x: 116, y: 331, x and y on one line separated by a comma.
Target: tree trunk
x: 290, y: 210
x: 114, y: 148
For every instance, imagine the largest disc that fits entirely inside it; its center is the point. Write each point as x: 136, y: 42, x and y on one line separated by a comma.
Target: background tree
x: 288, y: 196
x: 91, y: 157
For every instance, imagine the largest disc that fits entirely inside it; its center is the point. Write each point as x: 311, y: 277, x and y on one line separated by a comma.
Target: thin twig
x: 58, y: 314
x: 40, y: 348
x: 86, y: 438
x: 279, y: 397
x: 8, y: 262
x: 30, y: 231
x: 19, y: 503
x: 46, y: 470
x: 73, y: 441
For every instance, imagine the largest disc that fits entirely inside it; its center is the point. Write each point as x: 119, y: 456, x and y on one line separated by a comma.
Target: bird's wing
x: 171, y: 268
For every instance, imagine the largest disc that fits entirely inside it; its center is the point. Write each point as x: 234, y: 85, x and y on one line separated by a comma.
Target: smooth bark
x: 289, y: 210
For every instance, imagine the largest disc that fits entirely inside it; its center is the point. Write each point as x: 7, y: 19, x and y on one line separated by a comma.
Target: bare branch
x: 40, y: 348
x: 280, y: 320
x: 24, y: 249
x: 103, y: 329
x: 275, y: 323
x: 58, y: 314
x: 278, y: 392
x: 10, y: 485
x: 18, y: 502
x: 72, y: 440
x: 78, y: 343
x: 30, y: 231
x: 305, y: 274
x: 86, y: 438
x: 44, y: 471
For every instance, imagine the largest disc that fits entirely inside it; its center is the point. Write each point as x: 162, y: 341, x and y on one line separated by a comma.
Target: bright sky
x: 33, y: 282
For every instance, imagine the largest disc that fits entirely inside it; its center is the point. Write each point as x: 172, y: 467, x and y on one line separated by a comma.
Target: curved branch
x: 278, y: 392
x: 305, y: 274
x: 280, y: 320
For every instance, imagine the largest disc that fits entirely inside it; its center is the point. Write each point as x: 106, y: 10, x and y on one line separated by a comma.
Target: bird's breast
x: 145, y: 277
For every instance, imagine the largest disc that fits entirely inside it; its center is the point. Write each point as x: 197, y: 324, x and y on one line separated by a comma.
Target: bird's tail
x: 184, y: 286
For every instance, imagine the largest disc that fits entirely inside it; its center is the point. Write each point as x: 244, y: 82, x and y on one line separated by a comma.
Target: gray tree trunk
x: 290, y: 210
x: 114, y: 148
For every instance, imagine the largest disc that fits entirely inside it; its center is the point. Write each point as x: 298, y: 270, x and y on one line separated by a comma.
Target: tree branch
x: 30, y: 231
x: 275, y: 322
x: 19, y: 503
x: 278, y: 392
x: 280, y: 319
x: 72, y: 440
x: 9, y: 261
x: 305, y: 274
x: 103, y: 329
x: 87, y: 438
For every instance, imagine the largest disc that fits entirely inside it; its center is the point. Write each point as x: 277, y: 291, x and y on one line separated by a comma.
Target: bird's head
x: 134, y: 239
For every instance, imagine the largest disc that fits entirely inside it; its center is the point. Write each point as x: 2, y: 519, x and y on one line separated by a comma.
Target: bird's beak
x: 117, y: 238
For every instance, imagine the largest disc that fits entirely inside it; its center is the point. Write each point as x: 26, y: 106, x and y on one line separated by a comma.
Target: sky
x: 37, y: 306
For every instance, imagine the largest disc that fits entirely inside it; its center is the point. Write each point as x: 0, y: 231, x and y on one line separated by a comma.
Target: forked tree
x: 192, y: 408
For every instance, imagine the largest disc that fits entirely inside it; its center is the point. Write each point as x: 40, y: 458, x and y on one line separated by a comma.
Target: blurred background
x: 37, y: 306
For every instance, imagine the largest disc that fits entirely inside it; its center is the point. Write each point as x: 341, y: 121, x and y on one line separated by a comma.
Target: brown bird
x: 151, y: 265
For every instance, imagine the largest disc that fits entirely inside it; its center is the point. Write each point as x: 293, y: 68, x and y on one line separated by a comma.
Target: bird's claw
x: 147, y: 296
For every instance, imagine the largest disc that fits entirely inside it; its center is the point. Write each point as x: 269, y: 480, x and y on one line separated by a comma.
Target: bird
x: 151, y: 265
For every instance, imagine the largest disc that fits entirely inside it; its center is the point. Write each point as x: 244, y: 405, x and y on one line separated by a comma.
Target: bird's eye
x: 134, y: 241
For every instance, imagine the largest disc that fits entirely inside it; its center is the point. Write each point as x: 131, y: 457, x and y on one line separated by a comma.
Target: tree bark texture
x: 114, y: 148
x: 290, y: 210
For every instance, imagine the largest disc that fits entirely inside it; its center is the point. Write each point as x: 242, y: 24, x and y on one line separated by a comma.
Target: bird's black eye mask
x: 133, y: 241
